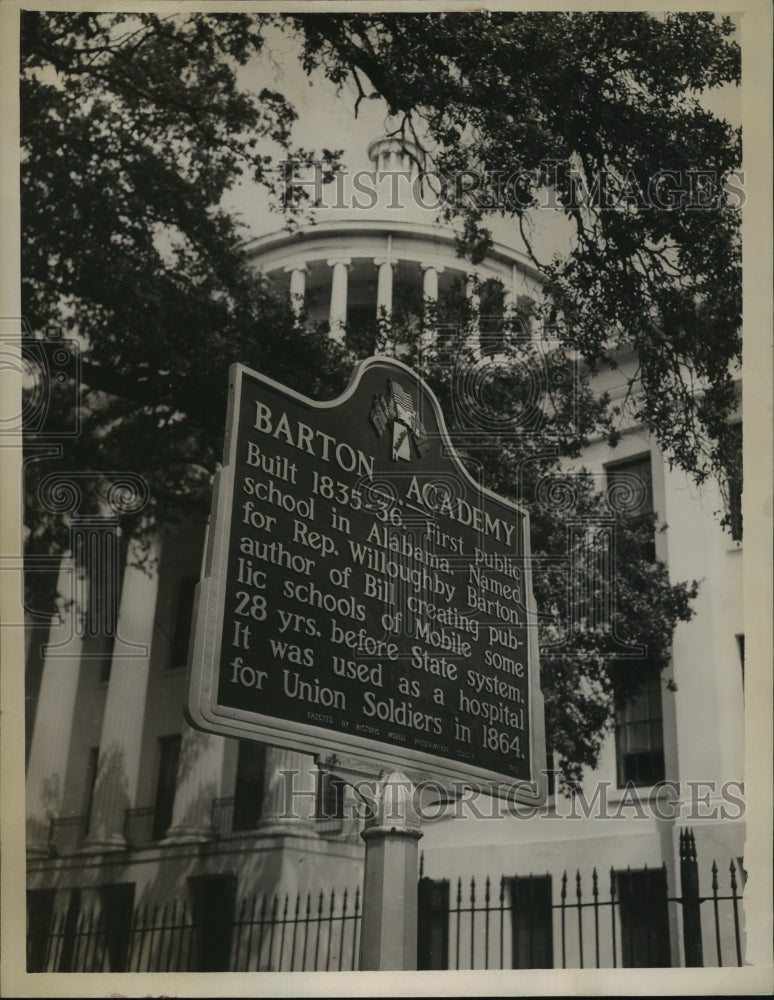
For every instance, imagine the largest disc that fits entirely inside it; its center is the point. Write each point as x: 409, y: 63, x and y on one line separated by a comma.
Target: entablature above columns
x: 372, y: 239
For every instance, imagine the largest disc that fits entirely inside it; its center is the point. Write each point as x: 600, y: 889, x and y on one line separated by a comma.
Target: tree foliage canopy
x: 602, y: 114
x: 133, y: 129
x: 135, y: 126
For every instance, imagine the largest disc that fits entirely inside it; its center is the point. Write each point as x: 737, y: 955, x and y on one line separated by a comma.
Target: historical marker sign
x: 363, y: 595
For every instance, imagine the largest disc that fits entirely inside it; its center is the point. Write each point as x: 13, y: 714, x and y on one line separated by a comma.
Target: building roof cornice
x: 437, y: 235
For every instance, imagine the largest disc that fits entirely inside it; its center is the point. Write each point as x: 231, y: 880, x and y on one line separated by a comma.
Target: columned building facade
x: 385, y: 258
x: 129, y: 806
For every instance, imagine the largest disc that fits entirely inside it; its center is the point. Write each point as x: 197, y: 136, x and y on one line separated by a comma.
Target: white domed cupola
x: 392, y: 153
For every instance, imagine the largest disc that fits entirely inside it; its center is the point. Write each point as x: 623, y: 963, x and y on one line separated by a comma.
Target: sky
x: 326, y: 119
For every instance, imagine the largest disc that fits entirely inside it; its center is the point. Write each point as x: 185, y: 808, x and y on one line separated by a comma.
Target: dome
x: 355, y: 261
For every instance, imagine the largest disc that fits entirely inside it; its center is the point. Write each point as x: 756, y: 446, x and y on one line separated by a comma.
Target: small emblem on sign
x: 397, y: 408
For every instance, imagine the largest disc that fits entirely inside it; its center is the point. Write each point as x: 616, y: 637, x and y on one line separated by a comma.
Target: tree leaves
x: 607, y: 607
x: 602, y: 109
x: 134, y: 126
x: 133, y: 129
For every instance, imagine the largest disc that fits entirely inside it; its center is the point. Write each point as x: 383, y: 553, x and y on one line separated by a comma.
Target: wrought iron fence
x: 223, y: 815
x: 140, y: 828
x: 304, y: 933
x: 320, y: 934
x: 624, y: 919
x: 66, y: 834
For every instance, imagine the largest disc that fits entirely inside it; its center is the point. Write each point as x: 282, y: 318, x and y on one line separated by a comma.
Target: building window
x: 168, y: 757
x: 213, y: 900
x: 116, y: 924
x: 639, y: 735
x: 183, y: 622
x: 532, y: 922
x: 330, y: 796
x: 735, y: 483
x: 248, y: 792
x: 40, y: 914
x: 433, y: 924
x: 630, y: 491
x: 642, y: 903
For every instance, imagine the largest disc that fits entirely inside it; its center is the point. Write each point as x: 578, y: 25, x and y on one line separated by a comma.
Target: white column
x: 338, y: 310
x: 384, y: 286
x: 473, y: 299
x: 710, y: 700
x: 55, y: 710
x: 470, y: 291
x: 511, y: 290
x: 289, y: 794
x: 120, y: 744
x: 199, y: 776
x: 297, y: 274
x: 430, y: 273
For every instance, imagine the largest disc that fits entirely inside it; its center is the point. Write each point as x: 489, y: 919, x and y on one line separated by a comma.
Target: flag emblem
x: 396, y: 408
